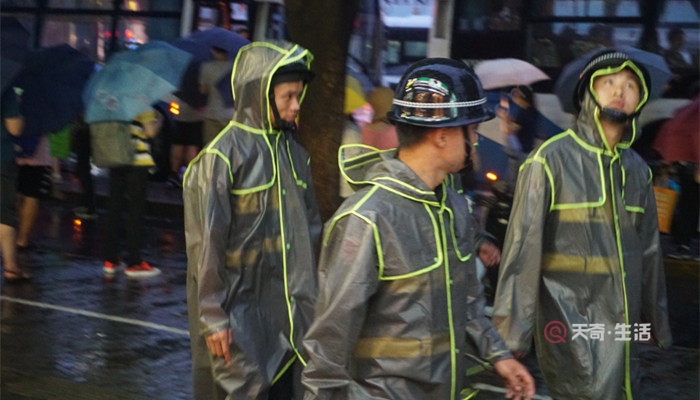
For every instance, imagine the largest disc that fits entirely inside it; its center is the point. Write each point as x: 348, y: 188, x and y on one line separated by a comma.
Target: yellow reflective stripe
x: 548, y: 172
x: 189, y: 166
x: 635, y: 209
x: 284, y: 369
x: 448, y: 292
x: 377, y: 242
x: 294, y: 172
x: 496, y: 354
x: 275, y: 162
x: 601, y: 199
x: 354, y: 208
x: 361, y: 163
x: 394, y: 347
x: 471, y: 392
x: 592, y: 265
x: 628, y: 384
x: 250, y: 129
x: 213, y: 327
x: 454, y: 237
x: 583, y: 215
x: 438, y: 258
x: 415, y: 189
x: 242, y: 258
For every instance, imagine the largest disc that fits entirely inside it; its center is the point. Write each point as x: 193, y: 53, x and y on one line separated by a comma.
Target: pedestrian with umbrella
x: 582, y: 248
x: 678, y: 141
x: 119, y: 99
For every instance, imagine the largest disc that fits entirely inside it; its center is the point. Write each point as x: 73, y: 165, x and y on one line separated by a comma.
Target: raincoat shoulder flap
x: 405, y: 221
x: 636, y: 179
x: 574, y: 172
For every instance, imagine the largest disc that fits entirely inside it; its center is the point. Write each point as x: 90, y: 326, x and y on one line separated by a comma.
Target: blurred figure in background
x: 12, y: 125
x: 127, y: 192
x: 33, y: 184
x: 380, y: 133
x: 185, y: 138
x: 217, y: 114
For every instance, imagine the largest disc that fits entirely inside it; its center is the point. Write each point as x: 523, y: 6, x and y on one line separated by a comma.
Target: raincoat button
x: 288, y: 246
x: 292, y: 299
x: 284, y: 191
x: 452, y: 282
x: 435, y: 259
x: 456, y: 350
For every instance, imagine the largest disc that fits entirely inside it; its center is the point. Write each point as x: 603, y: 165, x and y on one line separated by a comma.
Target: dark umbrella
x: 678, y: 138
x: 658, y: 70
x: 14, y: 47
x: 52, y: 82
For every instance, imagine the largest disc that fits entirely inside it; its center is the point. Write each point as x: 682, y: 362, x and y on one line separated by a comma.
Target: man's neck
x: 612, y: 131
x: 424, y: 165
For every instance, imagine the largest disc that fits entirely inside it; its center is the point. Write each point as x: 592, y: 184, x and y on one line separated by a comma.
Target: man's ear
x: 438, y: 137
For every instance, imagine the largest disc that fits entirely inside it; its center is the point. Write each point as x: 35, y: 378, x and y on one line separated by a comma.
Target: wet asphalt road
x: 136, y: 345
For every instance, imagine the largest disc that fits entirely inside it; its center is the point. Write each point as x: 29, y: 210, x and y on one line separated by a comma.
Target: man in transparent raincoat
x: 582, y: 270
x: 251, y: 224
x: 398, y: 294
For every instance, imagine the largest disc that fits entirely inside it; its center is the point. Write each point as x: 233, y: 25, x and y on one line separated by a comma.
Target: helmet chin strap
x: 612, y: 114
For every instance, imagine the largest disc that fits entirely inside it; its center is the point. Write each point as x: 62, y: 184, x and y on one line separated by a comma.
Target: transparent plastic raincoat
x: 251, y: 225
x: 582, y: 247
x: 398, y: 293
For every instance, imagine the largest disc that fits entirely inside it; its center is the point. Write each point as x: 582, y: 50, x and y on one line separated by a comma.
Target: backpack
x: 111, y: 144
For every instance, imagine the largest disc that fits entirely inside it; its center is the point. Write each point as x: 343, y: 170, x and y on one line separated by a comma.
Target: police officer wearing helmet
x: 399, y: 300
x: 582, y: 250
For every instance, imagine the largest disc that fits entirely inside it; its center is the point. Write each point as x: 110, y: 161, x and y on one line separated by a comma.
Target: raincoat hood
x: 251, y: 79
x: 588, y: 121
x: 382, y: 168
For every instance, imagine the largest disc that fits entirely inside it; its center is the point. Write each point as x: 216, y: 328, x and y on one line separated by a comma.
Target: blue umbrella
x: 199, y: 44
x: 52, y: 82
x: 14, y: 47
x: 655, y: 65
x: 221, y: 38
x: 134, y: 79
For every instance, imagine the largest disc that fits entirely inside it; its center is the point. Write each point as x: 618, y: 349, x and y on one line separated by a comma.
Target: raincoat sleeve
x: 519, y: 276
x: 654, y: 303
x: 348, y: 277
x: 211, y: 200
x: 480, y: 331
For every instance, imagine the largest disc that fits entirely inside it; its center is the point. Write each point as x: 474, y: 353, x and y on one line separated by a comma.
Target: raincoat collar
x: 382, y: 168
x: 251, y: 78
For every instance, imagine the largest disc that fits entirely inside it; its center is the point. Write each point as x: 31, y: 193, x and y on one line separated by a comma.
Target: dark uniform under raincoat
x: 399, y: 297
x: 582, y: 247
x: 251, y: 225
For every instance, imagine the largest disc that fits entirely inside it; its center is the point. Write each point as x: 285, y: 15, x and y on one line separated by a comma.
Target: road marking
x: 97, y: 315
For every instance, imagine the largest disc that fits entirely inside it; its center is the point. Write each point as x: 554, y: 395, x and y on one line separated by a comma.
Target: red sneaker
x: 111, y: 268
x: 141, y: 270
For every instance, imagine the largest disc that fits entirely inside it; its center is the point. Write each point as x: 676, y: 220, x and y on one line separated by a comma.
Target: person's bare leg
x: 28, y: 211
x: 7, y: 244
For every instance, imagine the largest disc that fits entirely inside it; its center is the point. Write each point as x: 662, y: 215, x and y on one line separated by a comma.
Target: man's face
x: 619, y: 91
x: 287, y: 98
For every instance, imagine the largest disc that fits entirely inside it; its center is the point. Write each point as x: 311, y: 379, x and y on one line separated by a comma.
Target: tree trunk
x: 323, y: 27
